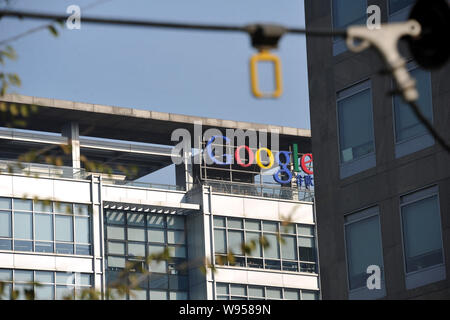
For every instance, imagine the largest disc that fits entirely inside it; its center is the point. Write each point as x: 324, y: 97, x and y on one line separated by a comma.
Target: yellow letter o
x: 258, y: 158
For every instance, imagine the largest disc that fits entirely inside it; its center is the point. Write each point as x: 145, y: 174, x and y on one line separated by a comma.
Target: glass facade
x: 230, y: 291
x: 265, y: 244
x: 43, y: 285
x: 421, y: 222
x: 45, y: 226
x: 363, y: 244
x: 133, y: 236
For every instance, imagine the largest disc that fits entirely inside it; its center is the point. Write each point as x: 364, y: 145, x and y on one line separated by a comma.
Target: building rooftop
x: 134, y: 124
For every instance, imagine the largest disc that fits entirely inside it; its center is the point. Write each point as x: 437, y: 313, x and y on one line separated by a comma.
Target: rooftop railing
x: 246, y: 189
x: 261, y: 190
x: 41, y: 170
x: 148, y: 185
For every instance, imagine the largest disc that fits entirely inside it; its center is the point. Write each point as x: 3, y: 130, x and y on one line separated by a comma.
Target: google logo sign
x: 282, y: 158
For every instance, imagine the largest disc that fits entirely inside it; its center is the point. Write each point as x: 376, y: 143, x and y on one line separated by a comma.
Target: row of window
x: 229, y: 291
x: 45, y: 285
x: 44, y: 226
x: 271, y: 245
x: 131, y: 236
x: 356, y: 130
x: 421, y: 233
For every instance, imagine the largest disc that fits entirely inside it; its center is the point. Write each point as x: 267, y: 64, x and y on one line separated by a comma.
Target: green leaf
x: 9, y: 52
x: 14, y: 79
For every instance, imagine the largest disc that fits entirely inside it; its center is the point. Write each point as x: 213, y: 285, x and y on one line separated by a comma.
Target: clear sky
x: 188, y: 72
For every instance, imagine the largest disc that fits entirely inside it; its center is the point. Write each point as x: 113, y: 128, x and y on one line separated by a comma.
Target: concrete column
x: 72, y: 133
x: 185, y: 171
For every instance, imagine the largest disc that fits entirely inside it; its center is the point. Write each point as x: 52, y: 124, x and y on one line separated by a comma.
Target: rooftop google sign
x: 280, y: 159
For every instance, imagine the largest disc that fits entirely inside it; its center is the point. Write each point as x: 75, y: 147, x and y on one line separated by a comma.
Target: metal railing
x: 148, y: 185
x: 37, y: 170
x: 41, y: 170
x: 260, y: 190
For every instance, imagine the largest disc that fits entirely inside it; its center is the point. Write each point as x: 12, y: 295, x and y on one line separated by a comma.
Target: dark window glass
x: 20, y: 245
x: 348, y: 12
x: 356, y: 126
x: 407, y: 125
x: 64, y: 248
x: 178, y: 282
x: 83, y: 249
x: 159, y: 281
x: 43, y: 246
x: 422, y: 234
x: 5, y: 244
x: 397, y: 5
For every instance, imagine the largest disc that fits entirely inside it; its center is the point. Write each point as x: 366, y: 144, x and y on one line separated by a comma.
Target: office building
x: 382, y: 181
x: 69, y: 227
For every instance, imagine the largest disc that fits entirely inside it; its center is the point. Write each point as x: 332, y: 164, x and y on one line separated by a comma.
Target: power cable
x: 249, y: 29
x: 45, y: 26
x: 166, y: 25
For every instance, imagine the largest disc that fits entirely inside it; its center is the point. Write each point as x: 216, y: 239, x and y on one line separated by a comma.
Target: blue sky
x: 188, y: 72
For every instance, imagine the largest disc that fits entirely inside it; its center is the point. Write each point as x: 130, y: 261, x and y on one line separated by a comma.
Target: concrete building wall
x: 381, y: 185
x: 199, y: 205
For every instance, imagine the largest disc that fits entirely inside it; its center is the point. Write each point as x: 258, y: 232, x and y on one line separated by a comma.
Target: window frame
x: 358, y: 216
x: 74, y: 287
x: 367, y: 161
x: 339, y: 45
x: 405, y: 143
x: 399, y: 15
x: 416, y: 196
x: 52, y: 213
x: 264, y: 288
x: 244, y: 258
x: 147, y: 242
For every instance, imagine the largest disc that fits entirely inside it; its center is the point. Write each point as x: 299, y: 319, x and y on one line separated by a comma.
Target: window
x: 422, y: 238
x: 230, y: 291
x: 410, y: 134
x: 355, y: 123
x: 346, y: 13
x: 363, y: 248
x: 268, y: 244
x: 397, y: 5
x: 44, y: 226
x: 132, y: 236
x: 46, y: 285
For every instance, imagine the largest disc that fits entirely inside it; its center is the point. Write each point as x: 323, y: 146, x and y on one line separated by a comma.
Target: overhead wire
x: 45, y: 26
x: 166, y: 25
x: 202, y: 27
